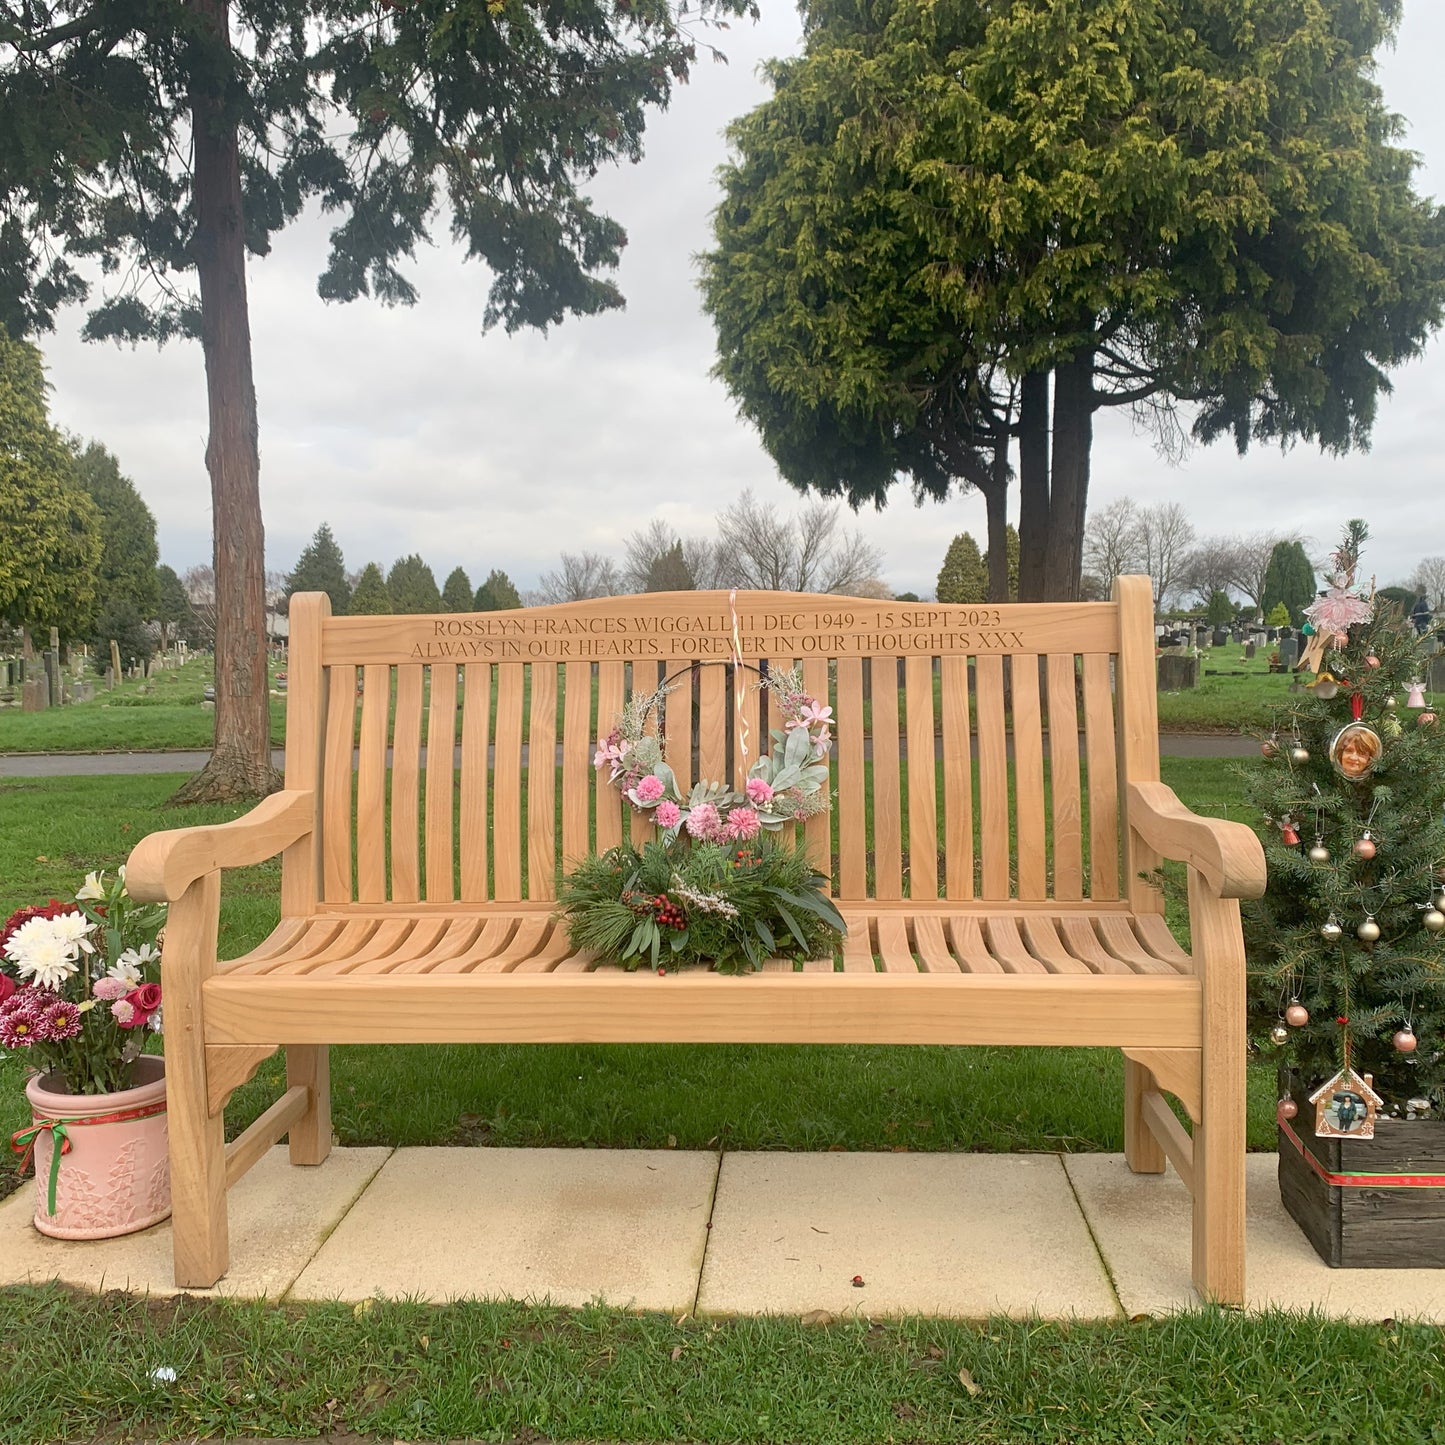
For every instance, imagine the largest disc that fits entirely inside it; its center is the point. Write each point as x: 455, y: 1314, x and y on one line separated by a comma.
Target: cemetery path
x: 60, y: 765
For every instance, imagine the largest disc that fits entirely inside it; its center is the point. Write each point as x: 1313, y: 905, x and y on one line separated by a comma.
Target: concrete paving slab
x: 963, y: 1235
x: 628, y: 1227
x: 278, y: 1216
x: 1141, y: 1222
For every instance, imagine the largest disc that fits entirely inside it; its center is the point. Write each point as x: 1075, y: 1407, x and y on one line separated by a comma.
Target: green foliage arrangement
x: 1347, y: 946
x: 685, y: 902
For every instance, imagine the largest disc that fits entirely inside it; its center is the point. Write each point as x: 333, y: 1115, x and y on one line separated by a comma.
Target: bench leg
x: 197, y: 1138
x: 1219, y: 1136
x: 1141, y: 1149
x: 309, y: 1141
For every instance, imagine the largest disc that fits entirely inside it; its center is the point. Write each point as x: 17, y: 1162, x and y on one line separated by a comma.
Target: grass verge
x: 80, y: 1368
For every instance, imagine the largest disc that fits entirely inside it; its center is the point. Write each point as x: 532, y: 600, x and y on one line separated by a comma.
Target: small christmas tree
x: 1347, y: 946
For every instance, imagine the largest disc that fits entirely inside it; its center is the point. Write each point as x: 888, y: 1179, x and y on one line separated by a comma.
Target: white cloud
x: 408, y: 430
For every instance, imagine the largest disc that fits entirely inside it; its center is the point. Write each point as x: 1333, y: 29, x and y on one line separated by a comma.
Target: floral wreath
x: 786, y: 785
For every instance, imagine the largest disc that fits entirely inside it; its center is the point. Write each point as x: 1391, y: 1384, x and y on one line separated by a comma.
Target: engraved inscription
x: 824, y: 632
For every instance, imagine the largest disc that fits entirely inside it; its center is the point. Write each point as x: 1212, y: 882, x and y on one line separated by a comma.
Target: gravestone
x: 1249, y: 650
x: 1220, y: 637
x: 115, y: 671
x: 1437, y: 673
x: 82, y: 691
x: 35, y: 694
x: 1288, y: 652
x: 1177, y: 671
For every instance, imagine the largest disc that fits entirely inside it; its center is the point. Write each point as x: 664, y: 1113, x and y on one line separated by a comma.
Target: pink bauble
x: 1365, y: 848
x: 1404, y: 1041
x: 1296, y: 1015
x: 1426, y: 719
x: 1288, y: 1108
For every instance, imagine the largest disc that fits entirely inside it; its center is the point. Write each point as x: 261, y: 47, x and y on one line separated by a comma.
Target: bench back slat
x: 959, y: 768
x: 992, y: 777
x: 957, y: 779
x: 1067, y: 815
x: 476, y: 744
x: 887, y: 802
x: 371, y: 784
x: 507, y: 787
x: 441, y: 732
x: 577, y: 732
x: 405, y: 782
x: 338, y: 793
x: 1103, y: 788
x: 542, y: 782
x: 922, y: 794
x: 1028, y: 777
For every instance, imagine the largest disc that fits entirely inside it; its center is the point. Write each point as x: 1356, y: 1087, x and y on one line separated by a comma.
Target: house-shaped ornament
x: 1345, y: 1107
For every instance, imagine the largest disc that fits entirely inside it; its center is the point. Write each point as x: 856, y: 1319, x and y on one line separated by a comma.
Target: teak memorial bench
x: 996, y: 895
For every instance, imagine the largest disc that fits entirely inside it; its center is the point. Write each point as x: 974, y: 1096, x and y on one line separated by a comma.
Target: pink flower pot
x: 115, y: 1178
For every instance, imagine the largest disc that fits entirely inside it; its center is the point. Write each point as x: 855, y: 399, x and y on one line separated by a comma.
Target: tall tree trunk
x: 1069, y: 473
x: 995, y: 496
x: 240, y: 764
x: 1033, y: 485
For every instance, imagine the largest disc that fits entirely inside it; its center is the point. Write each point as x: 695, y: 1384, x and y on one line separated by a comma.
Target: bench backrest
x: 422, y: 735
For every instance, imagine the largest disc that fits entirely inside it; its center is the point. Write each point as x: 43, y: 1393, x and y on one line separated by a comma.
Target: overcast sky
x: 410, y: 430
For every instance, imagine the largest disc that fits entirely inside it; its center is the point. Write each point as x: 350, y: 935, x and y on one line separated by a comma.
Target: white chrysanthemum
x: 74, y: 929
x: 39, y: 952
x: 93, y: 887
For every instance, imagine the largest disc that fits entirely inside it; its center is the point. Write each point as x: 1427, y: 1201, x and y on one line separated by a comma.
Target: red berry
x: 1342, y: 1020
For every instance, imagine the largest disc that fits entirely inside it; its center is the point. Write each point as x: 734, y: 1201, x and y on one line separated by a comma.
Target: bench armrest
x: 1227, y: 855
x: 163, y: 865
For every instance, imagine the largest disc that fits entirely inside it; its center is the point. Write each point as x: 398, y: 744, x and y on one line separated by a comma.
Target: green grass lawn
x: 158, y: 715
x: 79, y: 1367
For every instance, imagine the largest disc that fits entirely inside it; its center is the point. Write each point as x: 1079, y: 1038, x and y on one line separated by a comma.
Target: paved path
x: 957, y: 1235
x: 61, y: 765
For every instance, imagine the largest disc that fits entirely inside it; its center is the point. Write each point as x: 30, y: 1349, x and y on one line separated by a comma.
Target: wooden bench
x: 418, y: 876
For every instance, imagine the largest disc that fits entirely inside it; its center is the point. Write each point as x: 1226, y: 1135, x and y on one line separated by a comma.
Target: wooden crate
x: 1366, y: 1228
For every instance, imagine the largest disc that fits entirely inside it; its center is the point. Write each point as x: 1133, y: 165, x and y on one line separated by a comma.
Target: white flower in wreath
x: 92, y: 888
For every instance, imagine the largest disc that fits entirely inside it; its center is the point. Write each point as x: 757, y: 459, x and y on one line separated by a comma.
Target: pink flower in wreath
x: 703, y: 822
x: 650, y: 788
x: 668, y: 814
x: 110, y: 989
x: 742, y: 824
x: 759, y: 791
x: 123, y: 1012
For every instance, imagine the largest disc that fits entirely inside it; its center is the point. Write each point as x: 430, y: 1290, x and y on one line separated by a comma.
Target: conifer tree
x: 129, y: 554
x: 321, y: 568
x: 962, y: 577
x: 1011, y: 567
x: 1290, y: 579
x: 1347, y: 946
x: 413, y: 586
x: 457, y: 591
x: 370, y: 597
x: 497, y: 594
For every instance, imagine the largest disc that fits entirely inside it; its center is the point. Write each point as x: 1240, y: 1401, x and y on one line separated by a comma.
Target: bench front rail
x: 996, y: 813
